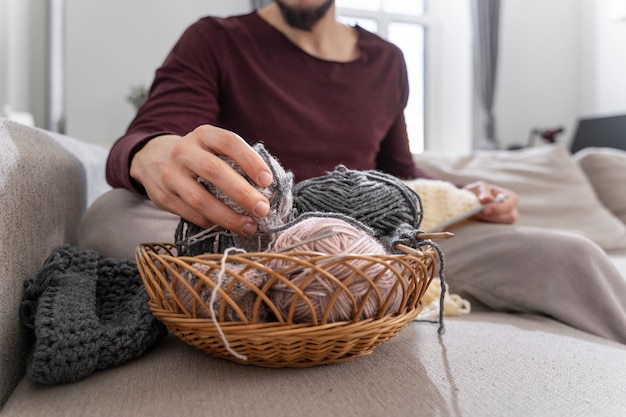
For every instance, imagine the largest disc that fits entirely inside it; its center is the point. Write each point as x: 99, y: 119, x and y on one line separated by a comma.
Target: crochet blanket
x: 83, y: 313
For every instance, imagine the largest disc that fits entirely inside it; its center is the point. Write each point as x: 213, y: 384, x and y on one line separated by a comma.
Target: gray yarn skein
x: 278, y: 193
x: 192, y: 240
x: 83, y: 313
x: 376, y: 199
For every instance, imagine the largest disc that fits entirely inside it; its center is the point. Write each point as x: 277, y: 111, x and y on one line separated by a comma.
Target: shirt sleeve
x: 394, y: 156
x: 185, y: 76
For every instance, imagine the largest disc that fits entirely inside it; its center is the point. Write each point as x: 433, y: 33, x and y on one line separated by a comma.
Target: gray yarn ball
x: 278, y: 192
x: 376, y: 199
x: 279, y: 195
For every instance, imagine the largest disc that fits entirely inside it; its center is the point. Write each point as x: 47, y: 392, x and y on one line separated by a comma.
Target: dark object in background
x: 546, y: 135
x: 607, y: 132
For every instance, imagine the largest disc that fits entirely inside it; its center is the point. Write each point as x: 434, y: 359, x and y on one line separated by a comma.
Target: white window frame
x: 448, y: 119
x: 384, y: 19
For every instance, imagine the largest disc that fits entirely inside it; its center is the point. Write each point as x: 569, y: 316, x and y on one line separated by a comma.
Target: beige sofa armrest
x: 42, y: 196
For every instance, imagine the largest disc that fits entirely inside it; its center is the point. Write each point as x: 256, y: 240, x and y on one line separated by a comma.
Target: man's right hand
x: 168, y: 168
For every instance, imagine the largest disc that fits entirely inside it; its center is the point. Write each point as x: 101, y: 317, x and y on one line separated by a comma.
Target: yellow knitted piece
x: 453, y: 304
x: 441, y: 201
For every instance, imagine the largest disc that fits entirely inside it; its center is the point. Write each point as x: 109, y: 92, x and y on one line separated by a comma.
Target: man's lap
x: 118, y: 221
x: 503, y: 267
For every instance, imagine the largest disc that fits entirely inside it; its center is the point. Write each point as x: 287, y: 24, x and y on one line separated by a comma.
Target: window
x: 402, y: 22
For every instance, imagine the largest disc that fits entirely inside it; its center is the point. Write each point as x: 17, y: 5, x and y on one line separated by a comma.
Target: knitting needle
x: 499, y: 198
x: 313, y: 238
x: 434, y: 235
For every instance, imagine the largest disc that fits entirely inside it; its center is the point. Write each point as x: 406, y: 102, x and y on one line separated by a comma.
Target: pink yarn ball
x: 241, y: 294
x: 319, y: 288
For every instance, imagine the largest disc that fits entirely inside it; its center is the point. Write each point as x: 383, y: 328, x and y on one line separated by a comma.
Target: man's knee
x: 119, y: 220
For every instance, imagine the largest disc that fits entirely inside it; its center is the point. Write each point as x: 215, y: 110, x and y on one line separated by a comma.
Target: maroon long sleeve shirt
x: 241, y: 74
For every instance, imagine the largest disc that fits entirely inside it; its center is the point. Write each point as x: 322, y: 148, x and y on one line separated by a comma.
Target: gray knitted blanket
x: 83, y: 313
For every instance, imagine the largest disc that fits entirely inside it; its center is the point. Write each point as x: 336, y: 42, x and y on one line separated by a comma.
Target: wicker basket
x: 178, y: 288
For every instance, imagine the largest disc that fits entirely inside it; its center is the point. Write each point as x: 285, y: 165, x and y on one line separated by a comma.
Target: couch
x: 487, y: 363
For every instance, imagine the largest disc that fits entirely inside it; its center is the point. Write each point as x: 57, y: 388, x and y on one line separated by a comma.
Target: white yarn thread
x: 220, y: 280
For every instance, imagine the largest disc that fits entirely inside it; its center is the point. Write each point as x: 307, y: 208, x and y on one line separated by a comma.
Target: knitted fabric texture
x: 376, y: 199
x: 192, y: 240
x: 454, y: 304
x: 441, y: 200
x: 83, y: 313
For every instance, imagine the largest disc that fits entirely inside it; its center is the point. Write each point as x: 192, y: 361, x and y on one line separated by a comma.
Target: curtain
x: 257, y: 4
x: 485, y: 27
x: 55, y: 107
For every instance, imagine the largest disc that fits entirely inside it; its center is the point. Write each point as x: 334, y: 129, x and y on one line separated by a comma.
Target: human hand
x: 168, y: 168
x: 505, y: 211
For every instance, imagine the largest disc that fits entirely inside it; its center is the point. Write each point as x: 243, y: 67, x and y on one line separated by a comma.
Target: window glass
x: 404, y: 7
x: 402, y: 23
x: 373, y: 5
x: 409, y: 37
x: 367, y: 24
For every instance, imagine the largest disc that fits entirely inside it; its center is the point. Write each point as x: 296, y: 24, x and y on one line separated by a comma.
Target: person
x: 317, y: 93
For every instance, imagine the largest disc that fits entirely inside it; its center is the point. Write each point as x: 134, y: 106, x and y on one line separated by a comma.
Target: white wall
x: 449, y: 115
x: 114, y: 45
x: 607, y: 89
x: 22, y: 57
x: 539, y: 72
x: 559, y: 60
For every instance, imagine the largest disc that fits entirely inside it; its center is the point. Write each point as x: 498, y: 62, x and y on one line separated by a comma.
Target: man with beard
x: 317, y: 93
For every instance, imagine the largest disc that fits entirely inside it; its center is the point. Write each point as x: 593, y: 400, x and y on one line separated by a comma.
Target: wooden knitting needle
x: 434, y: 235
x: 499, y: 198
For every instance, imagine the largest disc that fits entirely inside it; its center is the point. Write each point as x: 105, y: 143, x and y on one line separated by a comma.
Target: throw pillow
x: 606, y: 170
x: 554, y: 191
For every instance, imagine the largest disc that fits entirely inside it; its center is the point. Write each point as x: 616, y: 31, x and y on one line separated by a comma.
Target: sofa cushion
x: 93, y: 158
x: 42, y: 192
x: 554, y: 191
x: 486, y: 364
x: 606, y: 170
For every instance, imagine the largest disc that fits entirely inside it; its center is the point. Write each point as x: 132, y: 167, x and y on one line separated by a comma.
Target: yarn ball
x: 278, y: 192
x: 379, y: 200
x: 237, y: 282
x: 192, y: 240
x: 353, y: 289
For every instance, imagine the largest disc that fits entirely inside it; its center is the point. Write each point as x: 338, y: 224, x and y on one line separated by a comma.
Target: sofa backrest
x: 43, y: 194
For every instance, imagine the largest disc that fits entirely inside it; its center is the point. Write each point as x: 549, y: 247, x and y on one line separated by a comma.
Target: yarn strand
x: 218, y: 285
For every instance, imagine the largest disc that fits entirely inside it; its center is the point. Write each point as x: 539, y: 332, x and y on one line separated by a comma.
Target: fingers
x: 198, y: 206
x: 213, y: 169
x: 225, y: 143
x: 168, y: 167
x: 496, y: 209
x: 485, y: 192
x: 501, y: 212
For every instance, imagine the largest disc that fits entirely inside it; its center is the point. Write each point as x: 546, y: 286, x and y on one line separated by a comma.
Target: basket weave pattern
x: 270, y: 335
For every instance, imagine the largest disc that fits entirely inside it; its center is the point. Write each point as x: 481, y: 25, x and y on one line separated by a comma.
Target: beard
x: 303, y: 18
